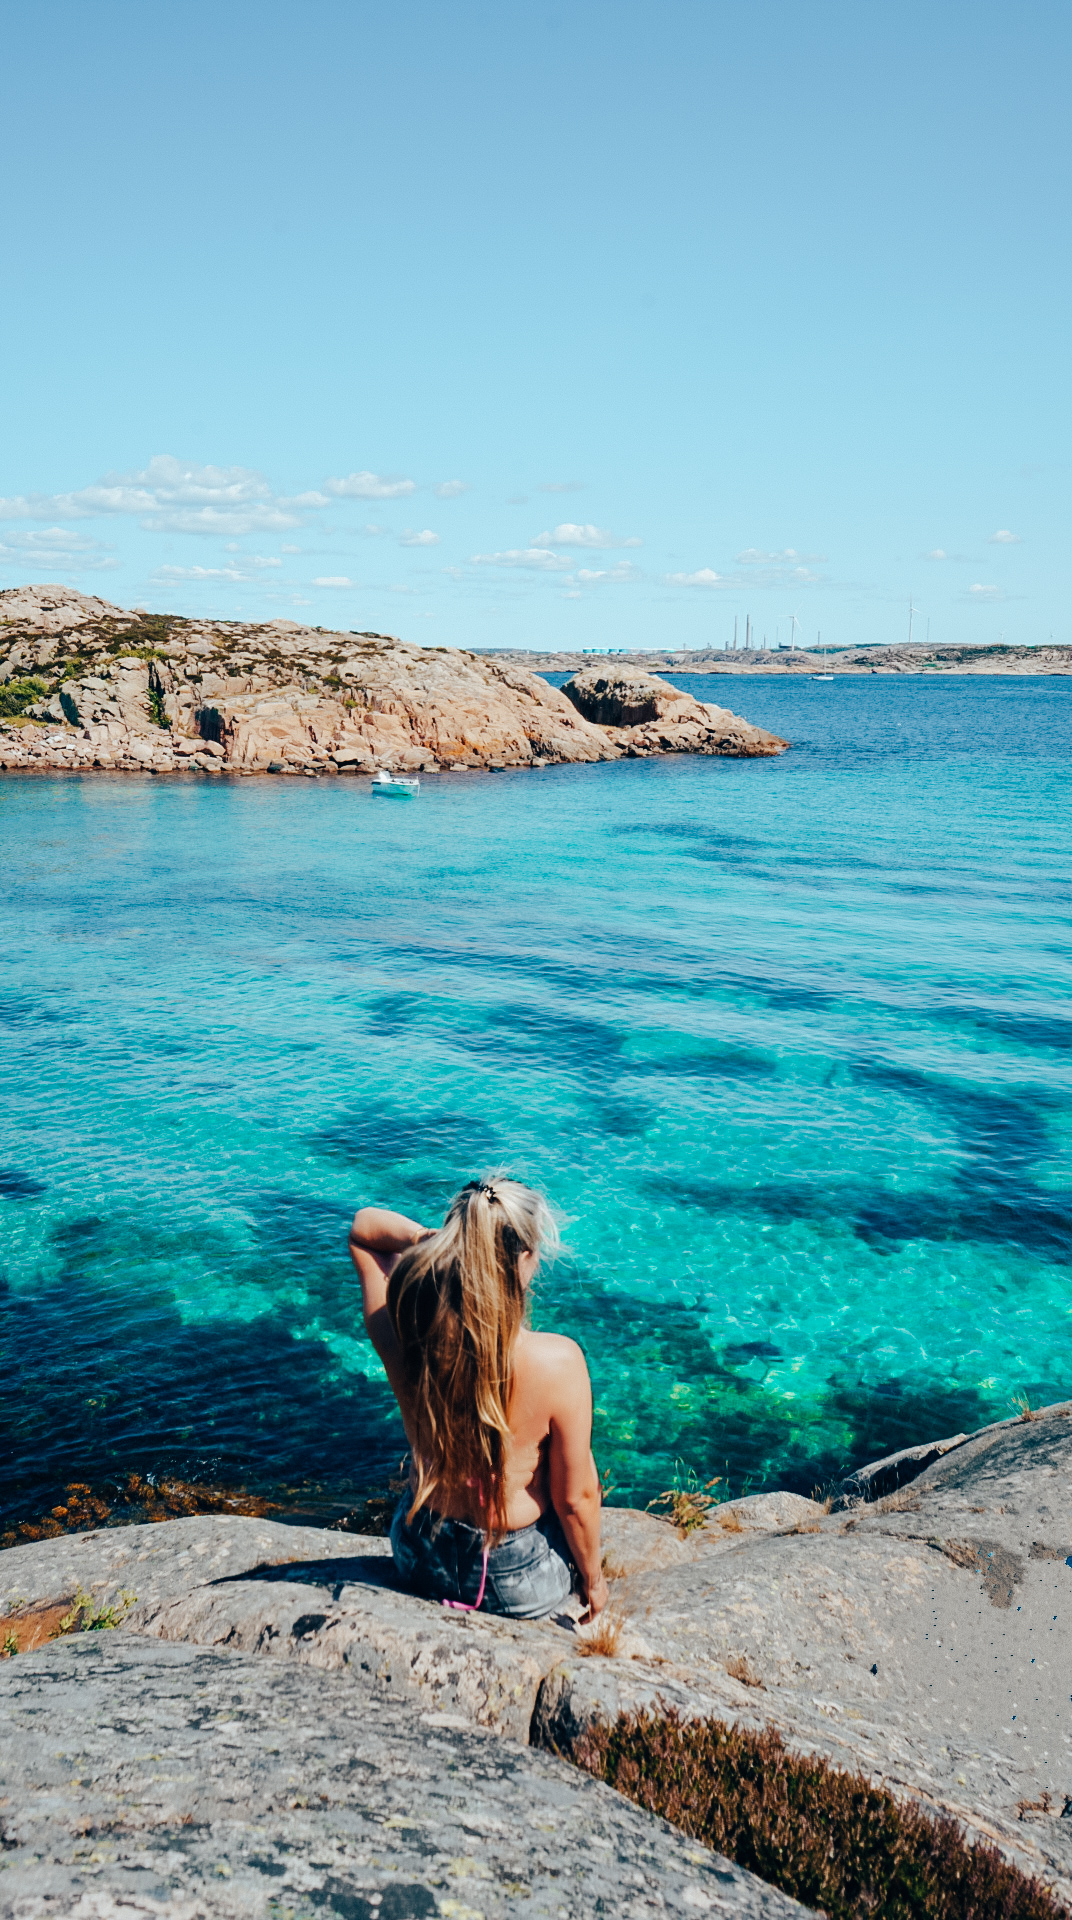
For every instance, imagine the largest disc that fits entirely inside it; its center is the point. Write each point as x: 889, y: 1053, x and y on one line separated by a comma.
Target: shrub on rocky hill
x: 17, y: 695
x: 832, y: 1839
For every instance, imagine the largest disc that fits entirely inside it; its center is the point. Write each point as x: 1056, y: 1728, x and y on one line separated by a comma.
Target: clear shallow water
x: 787, y: 1042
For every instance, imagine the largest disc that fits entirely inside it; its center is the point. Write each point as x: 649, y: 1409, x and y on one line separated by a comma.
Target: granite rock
x: 140, y: 1778
x: 129, y: 691
x: 924, y: 1638
x: 652, y: 716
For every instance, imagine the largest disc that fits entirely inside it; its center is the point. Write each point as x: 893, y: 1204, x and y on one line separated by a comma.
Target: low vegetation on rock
x: 832, y: 1839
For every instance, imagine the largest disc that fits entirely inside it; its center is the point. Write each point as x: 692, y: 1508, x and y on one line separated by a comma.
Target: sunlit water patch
x: 785, y: 1041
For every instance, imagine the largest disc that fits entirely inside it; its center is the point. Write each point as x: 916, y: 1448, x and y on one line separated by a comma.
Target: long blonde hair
x: 457, y: 1304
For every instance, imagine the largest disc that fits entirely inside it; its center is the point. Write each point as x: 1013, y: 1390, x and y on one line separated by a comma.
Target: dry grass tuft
x: 730, y: 1520
x: 739, y: 1667
x: 904, y: 1500
x: 604, y: 1636
x: 687, y: 1503
x: 1024, y: 1408
x: 613, y: 1570
x: 829, y: 1838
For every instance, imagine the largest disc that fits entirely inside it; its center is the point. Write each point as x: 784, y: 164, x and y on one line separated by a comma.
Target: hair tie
x: 490, y: 1191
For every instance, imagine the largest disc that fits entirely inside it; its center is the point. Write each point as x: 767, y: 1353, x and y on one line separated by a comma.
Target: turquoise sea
x: 786, y: 1042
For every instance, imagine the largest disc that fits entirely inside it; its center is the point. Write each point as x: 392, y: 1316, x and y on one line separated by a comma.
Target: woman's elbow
x: 578, y: 1502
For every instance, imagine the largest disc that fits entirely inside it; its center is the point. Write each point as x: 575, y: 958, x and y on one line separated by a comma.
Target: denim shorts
x: 529, y: 1572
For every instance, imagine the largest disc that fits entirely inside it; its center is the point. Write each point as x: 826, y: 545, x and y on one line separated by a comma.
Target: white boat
x: 395, y: 786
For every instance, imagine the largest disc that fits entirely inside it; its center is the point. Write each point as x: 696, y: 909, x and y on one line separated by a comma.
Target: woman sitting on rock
x: 504, y: 1497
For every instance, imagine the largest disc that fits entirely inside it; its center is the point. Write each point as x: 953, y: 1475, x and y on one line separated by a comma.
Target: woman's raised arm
x: 378, y: 1238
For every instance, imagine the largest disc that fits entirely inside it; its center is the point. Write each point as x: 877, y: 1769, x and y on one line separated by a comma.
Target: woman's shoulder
x: 548, y: 1355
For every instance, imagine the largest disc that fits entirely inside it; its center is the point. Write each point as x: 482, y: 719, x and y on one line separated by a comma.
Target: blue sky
x: 542, y: 325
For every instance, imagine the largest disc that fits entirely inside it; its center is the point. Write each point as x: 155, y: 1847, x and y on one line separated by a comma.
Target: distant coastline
x: 764, y: 661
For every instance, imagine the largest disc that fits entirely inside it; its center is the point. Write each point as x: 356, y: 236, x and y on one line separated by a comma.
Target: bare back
x: 549, y: 1456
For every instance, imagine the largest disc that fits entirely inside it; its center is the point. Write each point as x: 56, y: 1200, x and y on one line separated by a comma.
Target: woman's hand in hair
x: 378, y: 1230
x: 378, y: 1239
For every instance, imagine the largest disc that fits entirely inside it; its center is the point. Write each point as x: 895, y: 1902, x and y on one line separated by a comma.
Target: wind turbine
x: 793, y: 630
x: 911, y: 610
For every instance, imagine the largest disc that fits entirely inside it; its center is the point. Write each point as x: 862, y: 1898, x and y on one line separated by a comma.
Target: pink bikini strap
x: 463, y: 1606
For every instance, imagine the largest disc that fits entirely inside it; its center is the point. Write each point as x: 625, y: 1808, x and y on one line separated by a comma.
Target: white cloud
x: 450, y: 489
x: 172, y: 496
x: 561, y: 486
x: 332, y: 580
x: 51, y: 540
x: 54, y: 547
x: 1003, y: 538
x: 368, y: 486
x: 704, y: 577
x: 571, y: 535
x: 536, y: 559
x: 425, y: 539
x: 769, y: 570
x: 936, y: 553
x: 597, y: 576
x: 245, y: 567
x: 785, y: 569
x: 985, y: 593
x: 286, y: 549
x: 789, y: 557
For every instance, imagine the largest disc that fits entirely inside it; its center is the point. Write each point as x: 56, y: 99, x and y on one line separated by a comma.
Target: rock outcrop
x: 651, y: 716
x: 86, y: 685
x: 924, y: 1638
x: 140, y: 1778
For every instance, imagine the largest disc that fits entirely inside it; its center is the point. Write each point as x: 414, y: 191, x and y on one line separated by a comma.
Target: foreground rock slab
x: 923, y: 1638
x: 141, y: 1778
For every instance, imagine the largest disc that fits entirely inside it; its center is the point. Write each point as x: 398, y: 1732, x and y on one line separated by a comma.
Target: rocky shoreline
x: 273, y: 1721
x: 764, y: 661
x: 87, y: 687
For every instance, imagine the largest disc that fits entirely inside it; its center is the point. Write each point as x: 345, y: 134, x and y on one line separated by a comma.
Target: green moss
x: 17, y: 695
x: 156, y: 708
x: 110, y: 1616
x: 829, y: 1838
x: 86, y: 1617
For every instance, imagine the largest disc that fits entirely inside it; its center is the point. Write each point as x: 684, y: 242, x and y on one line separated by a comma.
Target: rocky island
x: 85, y: 685
x: 273, y: 1728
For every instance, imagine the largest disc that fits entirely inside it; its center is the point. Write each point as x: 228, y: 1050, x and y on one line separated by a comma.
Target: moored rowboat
x: 395, y: 786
